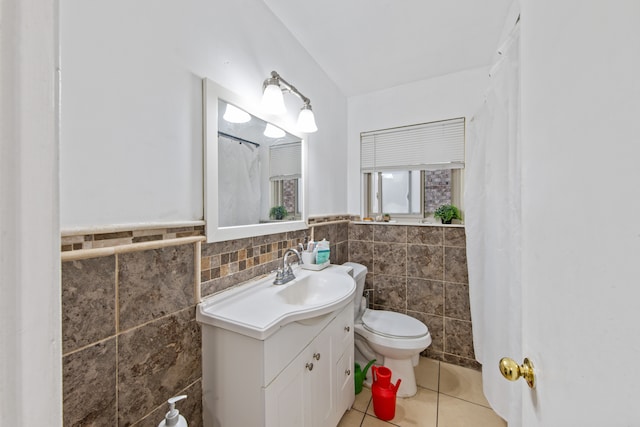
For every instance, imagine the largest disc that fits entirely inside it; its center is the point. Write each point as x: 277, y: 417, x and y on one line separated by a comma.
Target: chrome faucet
x: 285, y: 275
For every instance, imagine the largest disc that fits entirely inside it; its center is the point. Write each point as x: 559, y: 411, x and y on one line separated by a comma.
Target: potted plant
x: 446, y: 213
x: 278, y: 212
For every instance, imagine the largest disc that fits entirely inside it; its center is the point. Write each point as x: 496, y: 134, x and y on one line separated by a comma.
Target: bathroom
x: 134, y: 132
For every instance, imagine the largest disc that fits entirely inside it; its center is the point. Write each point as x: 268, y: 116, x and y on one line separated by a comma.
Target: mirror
x: 254, y: 170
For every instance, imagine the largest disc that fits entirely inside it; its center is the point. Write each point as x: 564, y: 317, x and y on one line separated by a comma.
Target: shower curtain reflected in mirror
x: 238, y: 183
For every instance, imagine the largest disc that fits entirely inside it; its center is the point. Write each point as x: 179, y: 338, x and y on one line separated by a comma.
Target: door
x: 581, y: 211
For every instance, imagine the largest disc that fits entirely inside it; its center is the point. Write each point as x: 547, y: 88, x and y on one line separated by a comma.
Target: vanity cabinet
x: 302, y: 375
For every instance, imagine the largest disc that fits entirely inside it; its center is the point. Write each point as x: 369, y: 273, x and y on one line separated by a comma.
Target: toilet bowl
x: 395, y: 340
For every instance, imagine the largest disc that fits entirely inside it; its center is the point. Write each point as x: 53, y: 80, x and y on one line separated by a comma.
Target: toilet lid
x: 392, y: 324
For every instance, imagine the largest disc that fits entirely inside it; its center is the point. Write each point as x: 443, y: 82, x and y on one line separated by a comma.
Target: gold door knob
x: 512, y: 371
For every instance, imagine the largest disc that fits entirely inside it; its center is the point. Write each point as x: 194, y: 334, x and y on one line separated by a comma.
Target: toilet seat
x: 393, y: 325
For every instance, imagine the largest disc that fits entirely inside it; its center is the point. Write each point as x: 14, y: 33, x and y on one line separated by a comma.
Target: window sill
x: 413, y: 222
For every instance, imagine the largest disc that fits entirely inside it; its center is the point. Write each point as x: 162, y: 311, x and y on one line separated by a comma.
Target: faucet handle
x: 280, y: 273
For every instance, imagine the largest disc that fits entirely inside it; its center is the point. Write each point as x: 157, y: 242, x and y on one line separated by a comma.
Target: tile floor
x: 448, y: 396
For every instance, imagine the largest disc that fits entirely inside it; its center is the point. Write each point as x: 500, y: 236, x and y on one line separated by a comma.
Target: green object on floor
x: 361, y: 374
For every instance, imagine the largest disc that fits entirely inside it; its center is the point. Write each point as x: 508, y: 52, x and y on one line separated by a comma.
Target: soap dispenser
x: 173, y: 417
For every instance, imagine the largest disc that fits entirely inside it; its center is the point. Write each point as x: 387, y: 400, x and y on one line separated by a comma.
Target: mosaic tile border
x: 81, y: 241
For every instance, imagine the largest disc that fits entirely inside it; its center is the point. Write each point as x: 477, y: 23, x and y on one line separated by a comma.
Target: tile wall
x: 420, y: 271
x: 130, y: 339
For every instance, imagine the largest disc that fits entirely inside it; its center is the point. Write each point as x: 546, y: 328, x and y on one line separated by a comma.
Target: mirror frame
x: 211, y: 92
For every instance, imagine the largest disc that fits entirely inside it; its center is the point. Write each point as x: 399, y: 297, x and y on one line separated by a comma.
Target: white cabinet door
x: 309, y: 392
x: 303, y: 395
x: 344, y: 381
x: 286, y: 396
x: 342, y: 365
x: 320, y: 381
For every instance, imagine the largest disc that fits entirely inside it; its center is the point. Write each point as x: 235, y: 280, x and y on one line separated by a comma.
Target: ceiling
x: 368, y: 45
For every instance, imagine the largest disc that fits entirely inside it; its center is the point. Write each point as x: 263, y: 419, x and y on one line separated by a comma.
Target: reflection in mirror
x: 254, y: 170
x: 259, y: 169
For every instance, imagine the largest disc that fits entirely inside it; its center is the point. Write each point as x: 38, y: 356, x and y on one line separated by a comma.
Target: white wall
x: 453, y: 95
x: 131, y: 141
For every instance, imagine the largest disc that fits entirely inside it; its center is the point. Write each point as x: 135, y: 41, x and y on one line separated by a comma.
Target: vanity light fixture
x: 306, y: 120
x: 272, y: 131
x: 233, y: 114
x: 273, y: 101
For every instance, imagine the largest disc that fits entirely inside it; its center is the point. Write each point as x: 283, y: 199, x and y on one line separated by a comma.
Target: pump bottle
x: 173, y: 417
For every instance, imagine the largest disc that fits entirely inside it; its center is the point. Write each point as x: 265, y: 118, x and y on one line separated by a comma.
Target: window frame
x: 433, y: 151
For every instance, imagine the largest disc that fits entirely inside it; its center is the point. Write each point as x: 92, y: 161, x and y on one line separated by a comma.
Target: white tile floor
x: 448, y: 396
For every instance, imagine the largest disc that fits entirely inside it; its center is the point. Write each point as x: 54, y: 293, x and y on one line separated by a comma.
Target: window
x: 286, y: 192
x: 284, y: 174
x: 402, y: 190
x: 412, y: 170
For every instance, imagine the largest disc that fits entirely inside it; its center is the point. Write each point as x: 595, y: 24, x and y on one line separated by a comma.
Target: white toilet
x: 395, y: 340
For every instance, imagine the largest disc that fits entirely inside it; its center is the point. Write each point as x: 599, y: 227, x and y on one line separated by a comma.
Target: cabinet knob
x: 348, y: 372
x: 309, y: 366
x: 316, y: 356
x: 347, y: 328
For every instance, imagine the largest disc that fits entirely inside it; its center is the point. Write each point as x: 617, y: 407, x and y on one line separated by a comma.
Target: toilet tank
x: 359, y: 274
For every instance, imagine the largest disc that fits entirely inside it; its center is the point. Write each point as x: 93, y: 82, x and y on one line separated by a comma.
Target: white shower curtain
x: 238, y: 183
x: 492, y: 217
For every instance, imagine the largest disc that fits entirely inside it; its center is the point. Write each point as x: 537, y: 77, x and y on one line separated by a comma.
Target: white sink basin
x: 311, y: 290
x: 259, y: 308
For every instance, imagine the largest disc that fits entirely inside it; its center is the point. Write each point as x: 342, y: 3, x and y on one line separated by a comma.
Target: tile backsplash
x: 229, y: 263
x: 130, y: 339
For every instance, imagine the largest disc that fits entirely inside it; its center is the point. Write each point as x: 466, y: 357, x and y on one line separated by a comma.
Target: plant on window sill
x: 278, y: 212
x: 447, y: 213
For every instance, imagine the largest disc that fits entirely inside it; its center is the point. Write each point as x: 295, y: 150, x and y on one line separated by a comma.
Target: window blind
x: 285, y: 161
x: 430, y: 146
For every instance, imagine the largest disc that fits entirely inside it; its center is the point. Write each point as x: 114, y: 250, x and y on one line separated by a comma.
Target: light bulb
x: 306, y: 120
x: 272, y: 131
x: 272, y: 99
x: 233, y: 114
